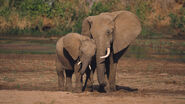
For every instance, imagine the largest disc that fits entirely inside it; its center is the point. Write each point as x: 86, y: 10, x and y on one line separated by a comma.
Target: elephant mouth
x: 107, y: 55
x: 82, y: 70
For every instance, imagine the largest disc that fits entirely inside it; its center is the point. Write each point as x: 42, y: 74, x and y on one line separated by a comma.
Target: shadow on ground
x: 55, y: 88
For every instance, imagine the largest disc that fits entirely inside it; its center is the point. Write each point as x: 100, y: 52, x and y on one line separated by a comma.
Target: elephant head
x: 112, y: 32
x: 80, y: 48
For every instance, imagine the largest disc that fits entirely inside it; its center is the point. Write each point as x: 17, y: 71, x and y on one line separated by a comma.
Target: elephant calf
x: 74, y: 55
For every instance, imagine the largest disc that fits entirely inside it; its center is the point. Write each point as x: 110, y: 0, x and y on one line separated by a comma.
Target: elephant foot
x: 112, y: 88
x: 107, y: 89
x: 89, y: 88
x: 102, y: 89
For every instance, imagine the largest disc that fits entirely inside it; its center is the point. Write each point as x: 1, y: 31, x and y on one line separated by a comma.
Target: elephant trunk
x: 101, y: 66
x: 84, y: 67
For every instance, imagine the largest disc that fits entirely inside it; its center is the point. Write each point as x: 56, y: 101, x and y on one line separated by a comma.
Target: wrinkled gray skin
x: 115, y: 30
x: 71, y: 49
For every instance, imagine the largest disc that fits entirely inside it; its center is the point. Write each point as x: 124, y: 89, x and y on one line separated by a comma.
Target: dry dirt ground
x: 31, y: 79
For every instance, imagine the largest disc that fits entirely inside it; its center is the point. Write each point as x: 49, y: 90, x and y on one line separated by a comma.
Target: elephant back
x: 72, y: 42
x: 60, y: 54
x: 67, y: 49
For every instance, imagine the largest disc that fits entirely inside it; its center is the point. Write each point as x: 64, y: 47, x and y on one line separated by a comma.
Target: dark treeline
x: 58, y: 17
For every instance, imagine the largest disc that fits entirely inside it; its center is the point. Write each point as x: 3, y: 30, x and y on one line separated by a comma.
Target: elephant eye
x: 108, y: 32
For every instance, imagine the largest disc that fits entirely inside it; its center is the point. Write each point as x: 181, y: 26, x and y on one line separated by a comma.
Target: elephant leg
x: 60, y: 73
x: 61, y: 80
x: 78, y: 83
x: 69, y: 80
x: 113, y: 68
x: 112, y: 74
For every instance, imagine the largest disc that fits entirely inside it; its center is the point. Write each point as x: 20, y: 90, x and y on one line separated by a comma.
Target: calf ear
x: 72, y: 45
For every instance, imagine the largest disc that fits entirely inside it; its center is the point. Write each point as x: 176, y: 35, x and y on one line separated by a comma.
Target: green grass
x: 172, y: 50
x: 49, y: 47
x: 180, y: 98
x: 18, y: 86
x: 17, y: 40
x: 7, y: 79
x: 136, y: 51
x: 160, y: 49
x: 26, y: 52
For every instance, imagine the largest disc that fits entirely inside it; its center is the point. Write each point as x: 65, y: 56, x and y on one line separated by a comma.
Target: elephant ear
x: 86, y: 25
x: 72, y: 45
x: 127, y: 28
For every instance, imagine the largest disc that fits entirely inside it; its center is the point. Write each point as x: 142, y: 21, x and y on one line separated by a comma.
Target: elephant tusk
x: 79, y: 63
x: 90, y: 67
x: 108, y: 53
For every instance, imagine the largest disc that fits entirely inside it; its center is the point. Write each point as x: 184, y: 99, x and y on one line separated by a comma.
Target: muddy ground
x: 27, y: 75
x: 31, y: 79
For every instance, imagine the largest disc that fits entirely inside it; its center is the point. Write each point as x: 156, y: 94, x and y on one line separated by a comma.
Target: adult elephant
x: 113, y: 32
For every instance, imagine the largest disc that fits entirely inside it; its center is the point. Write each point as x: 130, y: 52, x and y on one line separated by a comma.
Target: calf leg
x: 69, y: 74
x: 60, y: 73
x: 112, y: 74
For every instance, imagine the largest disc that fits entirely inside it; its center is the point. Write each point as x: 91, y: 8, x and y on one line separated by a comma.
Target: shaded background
x: 160, y: 18
x: 162, y: 36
